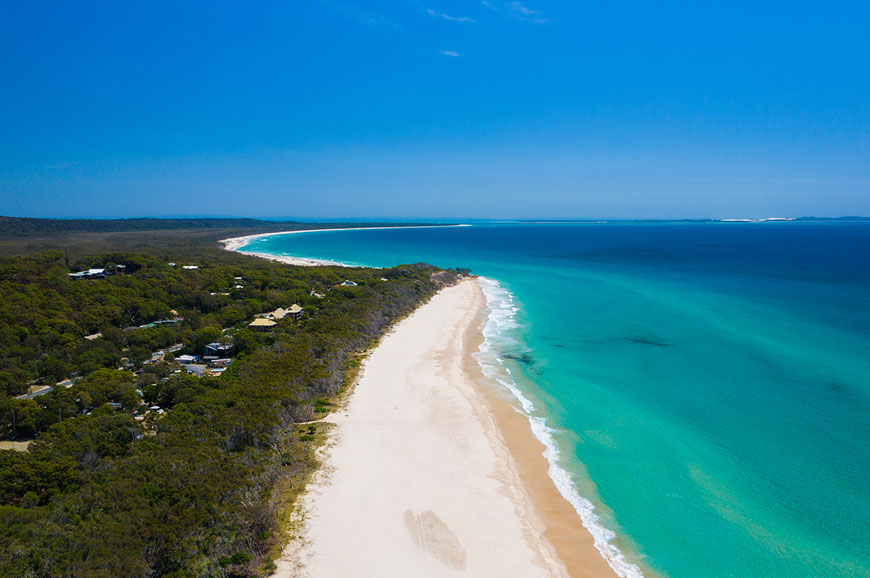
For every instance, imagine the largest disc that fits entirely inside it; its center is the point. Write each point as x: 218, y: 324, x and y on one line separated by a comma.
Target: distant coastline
x: 846, y: 219
x: 237, y: 243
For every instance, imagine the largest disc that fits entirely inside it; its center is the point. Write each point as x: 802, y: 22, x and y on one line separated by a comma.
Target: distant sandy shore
x: 429, y: 474
x: 236, y: 243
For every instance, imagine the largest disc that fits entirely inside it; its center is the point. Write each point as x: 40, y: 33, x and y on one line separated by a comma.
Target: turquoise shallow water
x: 705, y: 387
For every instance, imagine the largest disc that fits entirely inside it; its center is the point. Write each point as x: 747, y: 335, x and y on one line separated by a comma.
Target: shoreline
x: 561, y: 525
x: 298, y: 261
x: 236, y: 243
x: 484, y: 505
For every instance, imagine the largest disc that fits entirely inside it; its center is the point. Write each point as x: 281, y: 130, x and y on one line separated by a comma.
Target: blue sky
x: 416, y: 108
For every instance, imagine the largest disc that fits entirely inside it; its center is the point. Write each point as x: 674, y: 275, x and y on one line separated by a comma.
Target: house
x: 89, y: 274
x: 278, y: 314
x: 190, y: 267
x: 262, y: 324
x: 316, y: 294
x: 185, y: 359
x: 348, y: 284
x: 218, y: 350
x: 295, y: 312
x: 196, y: 369
x: 35, y: 390
x: 93, y: 336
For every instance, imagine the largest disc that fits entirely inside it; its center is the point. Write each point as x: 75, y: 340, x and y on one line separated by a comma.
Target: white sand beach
x: 418, y: 479
x: 236, y: 243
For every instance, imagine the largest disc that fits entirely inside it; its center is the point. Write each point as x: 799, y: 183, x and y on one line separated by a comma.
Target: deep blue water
x: 706, y: 386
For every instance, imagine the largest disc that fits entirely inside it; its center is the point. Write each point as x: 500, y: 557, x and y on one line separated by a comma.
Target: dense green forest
x: 111, y: 486
x: 23, y: 226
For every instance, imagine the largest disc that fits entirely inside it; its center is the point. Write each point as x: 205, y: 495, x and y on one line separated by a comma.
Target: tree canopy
x: 112, y: 488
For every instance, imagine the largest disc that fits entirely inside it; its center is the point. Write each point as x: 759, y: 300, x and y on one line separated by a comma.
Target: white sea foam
x: 499, y: 336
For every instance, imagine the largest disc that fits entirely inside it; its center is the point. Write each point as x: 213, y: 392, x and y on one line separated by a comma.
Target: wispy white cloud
x: 517, y: 11
x: 360, y: 14
x: 522, y: 9
x: 451, y: 53
x: 431, y: 12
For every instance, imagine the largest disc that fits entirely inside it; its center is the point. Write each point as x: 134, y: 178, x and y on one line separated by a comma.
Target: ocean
x: 702, y: 389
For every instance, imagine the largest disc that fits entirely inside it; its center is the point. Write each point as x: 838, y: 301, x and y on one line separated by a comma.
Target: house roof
x: 294, y: 309
x: 262, y: 323
x: 279, y: 313
x: 88, y: 272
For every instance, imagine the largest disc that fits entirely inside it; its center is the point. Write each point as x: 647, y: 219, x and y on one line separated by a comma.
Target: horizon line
x: 386, y: 219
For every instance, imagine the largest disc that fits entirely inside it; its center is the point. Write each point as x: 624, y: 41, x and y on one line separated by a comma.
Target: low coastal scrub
x: 111, y: 486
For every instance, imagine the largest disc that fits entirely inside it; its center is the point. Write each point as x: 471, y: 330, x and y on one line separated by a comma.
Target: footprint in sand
x: 434, y: 537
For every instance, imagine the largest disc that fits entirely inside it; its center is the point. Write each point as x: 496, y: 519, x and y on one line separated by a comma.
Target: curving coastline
x: 558, y: 526
x: 236, y: 243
